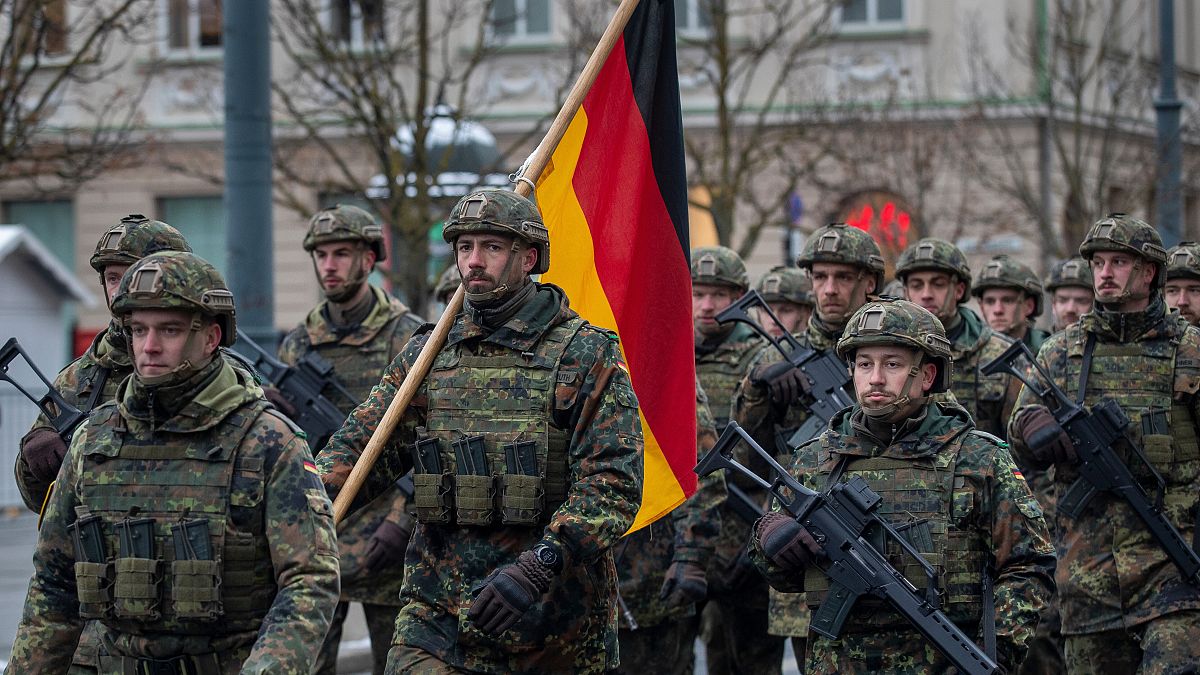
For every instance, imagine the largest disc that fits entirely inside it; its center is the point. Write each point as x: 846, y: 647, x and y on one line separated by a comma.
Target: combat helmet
x: 1073, y: 272
x: 1183, y: 261
x: 178, y: 280
x: 840, y: 243
x: 504, y: 212
x: 447, y: 283
x: 1004, y: 272
x: 936, y: 254
x: 899, y: 322
x: 719, y: 266
x: 345, y: 222
x: 785, y: 284
x: 1120, y: 232
x: 134, y: 238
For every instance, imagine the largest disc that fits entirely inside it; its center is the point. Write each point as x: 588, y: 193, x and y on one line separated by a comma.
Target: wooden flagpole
x: 527, y: 177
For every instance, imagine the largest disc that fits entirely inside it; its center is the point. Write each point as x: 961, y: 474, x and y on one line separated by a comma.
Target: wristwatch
x: 548, y: 556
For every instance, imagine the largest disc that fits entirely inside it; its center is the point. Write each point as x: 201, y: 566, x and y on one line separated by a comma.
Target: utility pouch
x: 93, y: 572
x: 138, y: 572
x: 474, y: 487
x: 432, y: 496
x: 1156, y: 439
x: 195, y: 576
x: 522, y: 496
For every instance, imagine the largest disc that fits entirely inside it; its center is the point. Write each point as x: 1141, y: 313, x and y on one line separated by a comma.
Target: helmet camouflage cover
x: 785, y: 284
x: 720, y: 266
x: 899, y: 322
x: 503, y: 212
x: 447, y: 283
x: 1073, y: 272
x: 1183, y: 261
x: 345, y: 222
x: 1120, y: 232
x: 182, y: 281
x: 134, y: 238
x: 841, y: 243
x: 1004, y: 272
x: 935, y: 254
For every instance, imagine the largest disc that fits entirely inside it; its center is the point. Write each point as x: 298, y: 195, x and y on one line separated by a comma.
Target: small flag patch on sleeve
x: 311, y: 468
x: 1018, y: 474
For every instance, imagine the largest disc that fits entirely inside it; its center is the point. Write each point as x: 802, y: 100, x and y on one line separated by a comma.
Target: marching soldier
x: 1070, y: 286
x: 1010, y: 295
x: 1182, y: 290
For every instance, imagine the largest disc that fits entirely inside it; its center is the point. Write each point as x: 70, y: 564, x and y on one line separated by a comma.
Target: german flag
x: 614, y: 197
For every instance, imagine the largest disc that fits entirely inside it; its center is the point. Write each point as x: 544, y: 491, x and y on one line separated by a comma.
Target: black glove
x: 685, y: 584
x: 1045, y: 437
x: 786, y: 542
x: 281, y: 404
x: 785, y: 382
x: 43, y: 450
x: 386, y: 547
x: 508, y: 593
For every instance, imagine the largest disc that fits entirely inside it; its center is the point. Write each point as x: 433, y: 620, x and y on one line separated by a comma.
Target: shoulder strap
x: 1085, y: 368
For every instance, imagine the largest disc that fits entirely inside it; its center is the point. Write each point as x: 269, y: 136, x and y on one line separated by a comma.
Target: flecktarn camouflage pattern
x: 785, y: 284
x: 1183, y: 261
x: 1072, y: 272
x: 345, y: 222
x: 504, y: 212
x: 447, y: 283
x: 935, y: 254
x: 841, y: 243
x: 1003, y: 271
x: 180, y: 281
x: 719, y: 266
x: 134, y: 238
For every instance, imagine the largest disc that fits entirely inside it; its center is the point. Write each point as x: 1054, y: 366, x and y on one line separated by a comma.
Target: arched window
x: 886, y: 216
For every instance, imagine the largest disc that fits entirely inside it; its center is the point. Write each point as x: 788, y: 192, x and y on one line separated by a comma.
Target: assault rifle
x: 63, y: 416
x: 1093, y: 433
x: 827, y: 373
x: 839, y: 520
x: 301, y: 385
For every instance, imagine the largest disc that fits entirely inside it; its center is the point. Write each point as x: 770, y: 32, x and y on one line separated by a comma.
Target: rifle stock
x: 63, y: 416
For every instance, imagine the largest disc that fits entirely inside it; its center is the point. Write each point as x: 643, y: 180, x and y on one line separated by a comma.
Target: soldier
x: 937, y: 278
x: 358, y: 329
x: 788, y: 293
x: 526, y: 450
x: 954, y: 491
x: 1070, y: 288
x: 1010, y: 295
x: 1183, y: 281
x: 662, y: 572
x: 190, y: 521
x: 1124, y: 607
x: 447, y: 283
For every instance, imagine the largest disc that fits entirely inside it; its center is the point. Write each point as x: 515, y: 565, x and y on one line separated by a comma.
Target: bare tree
x: 55, y: 132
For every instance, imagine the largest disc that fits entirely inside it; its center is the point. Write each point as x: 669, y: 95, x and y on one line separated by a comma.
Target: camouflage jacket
x: 688, y: 533
x: 574, y: 627
x: 1112, y: 573
x: 357, y: 358
x: 274, y: 513
x: 982, y: 508
x: 989, y: 398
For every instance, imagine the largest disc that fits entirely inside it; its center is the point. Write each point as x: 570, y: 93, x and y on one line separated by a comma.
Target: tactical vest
x: 357, y: 367
x: 720, y: 373
x: 1143, y: 378
x: 931, y: 507
x: 497, y: 407
x: 170, y: 535
x: 982, y: 395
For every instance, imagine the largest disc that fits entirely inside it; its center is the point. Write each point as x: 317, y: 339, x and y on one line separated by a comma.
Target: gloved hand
x: 1045, y: 438
x: 786, y: 542
x: 386, y: 547
x: 784, y: 381
x: 508, y: 593
x: 43, y: 450
x: 685, y: 584
x: 281, y: 404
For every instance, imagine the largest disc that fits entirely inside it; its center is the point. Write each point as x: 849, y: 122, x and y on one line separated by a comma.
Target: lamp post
x: 1167, y: 197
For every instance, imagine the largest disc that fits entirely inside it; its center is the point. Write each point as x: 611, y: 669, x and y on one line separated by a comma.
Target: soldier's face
x: 840, y: 290
x: 112, y: 279
x: 164, y: 338
x: 1184, y: 295
x: 707, y: 301
x: 935, y: 291
x: 1070, y: 302
x: 1006, y: 310
x: 794, y: 317
x: 1121, y: 279
x: 339, y: 263
x: 881, y: 375
x: 483, y: 260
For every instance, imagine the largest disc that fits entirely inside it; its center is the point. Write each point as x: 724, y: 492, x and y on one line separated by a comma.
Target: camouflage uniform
x: 251, y: 588
x: 1117, y: 590
x: 358, y: 353
x: 447, y: 283
x: 989, y: 398
x: 541, y: 376
x: 1004, y: 272
x: 1071, y: 273
x: 786, y: 284
x: 961, y: 498
x: 1183, y: 261
x: 664, y: 639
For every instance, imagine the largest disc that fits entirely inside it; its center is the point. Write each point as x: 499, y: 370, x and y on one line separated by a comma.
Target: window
x: 520, y: 19
x: 193, y: 24
x: 693, y: 17
x: 52, y: 222
x: 871, y: 14
x: 357, y: 23
x: 42, y: 28
x: 202, y: 221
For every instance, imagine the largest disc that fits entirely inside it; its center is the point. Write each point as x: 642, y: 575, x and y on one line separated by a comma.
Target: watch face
x: 547, y: 556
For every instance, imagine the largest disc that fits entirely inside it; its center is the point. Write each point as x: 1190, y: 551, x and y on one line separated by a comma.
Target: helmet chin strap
x: 890, y: 410
x: 185, y: 369
x: 1127, y: 292
x: 347, y: 290
x: 501, y: 290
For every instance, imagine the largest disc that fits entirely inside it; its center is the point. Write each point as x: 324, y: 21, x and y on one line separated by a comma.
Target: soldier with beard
x: 1070, y: 287
x: 1124, y: 606
x: 358, y: 329
x: 1182, y: 290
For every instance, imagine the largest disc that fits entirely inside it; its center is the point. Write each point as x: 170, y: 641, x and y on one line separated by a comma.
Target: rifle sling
x: 102, y: 374
x: 1085, y: 368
